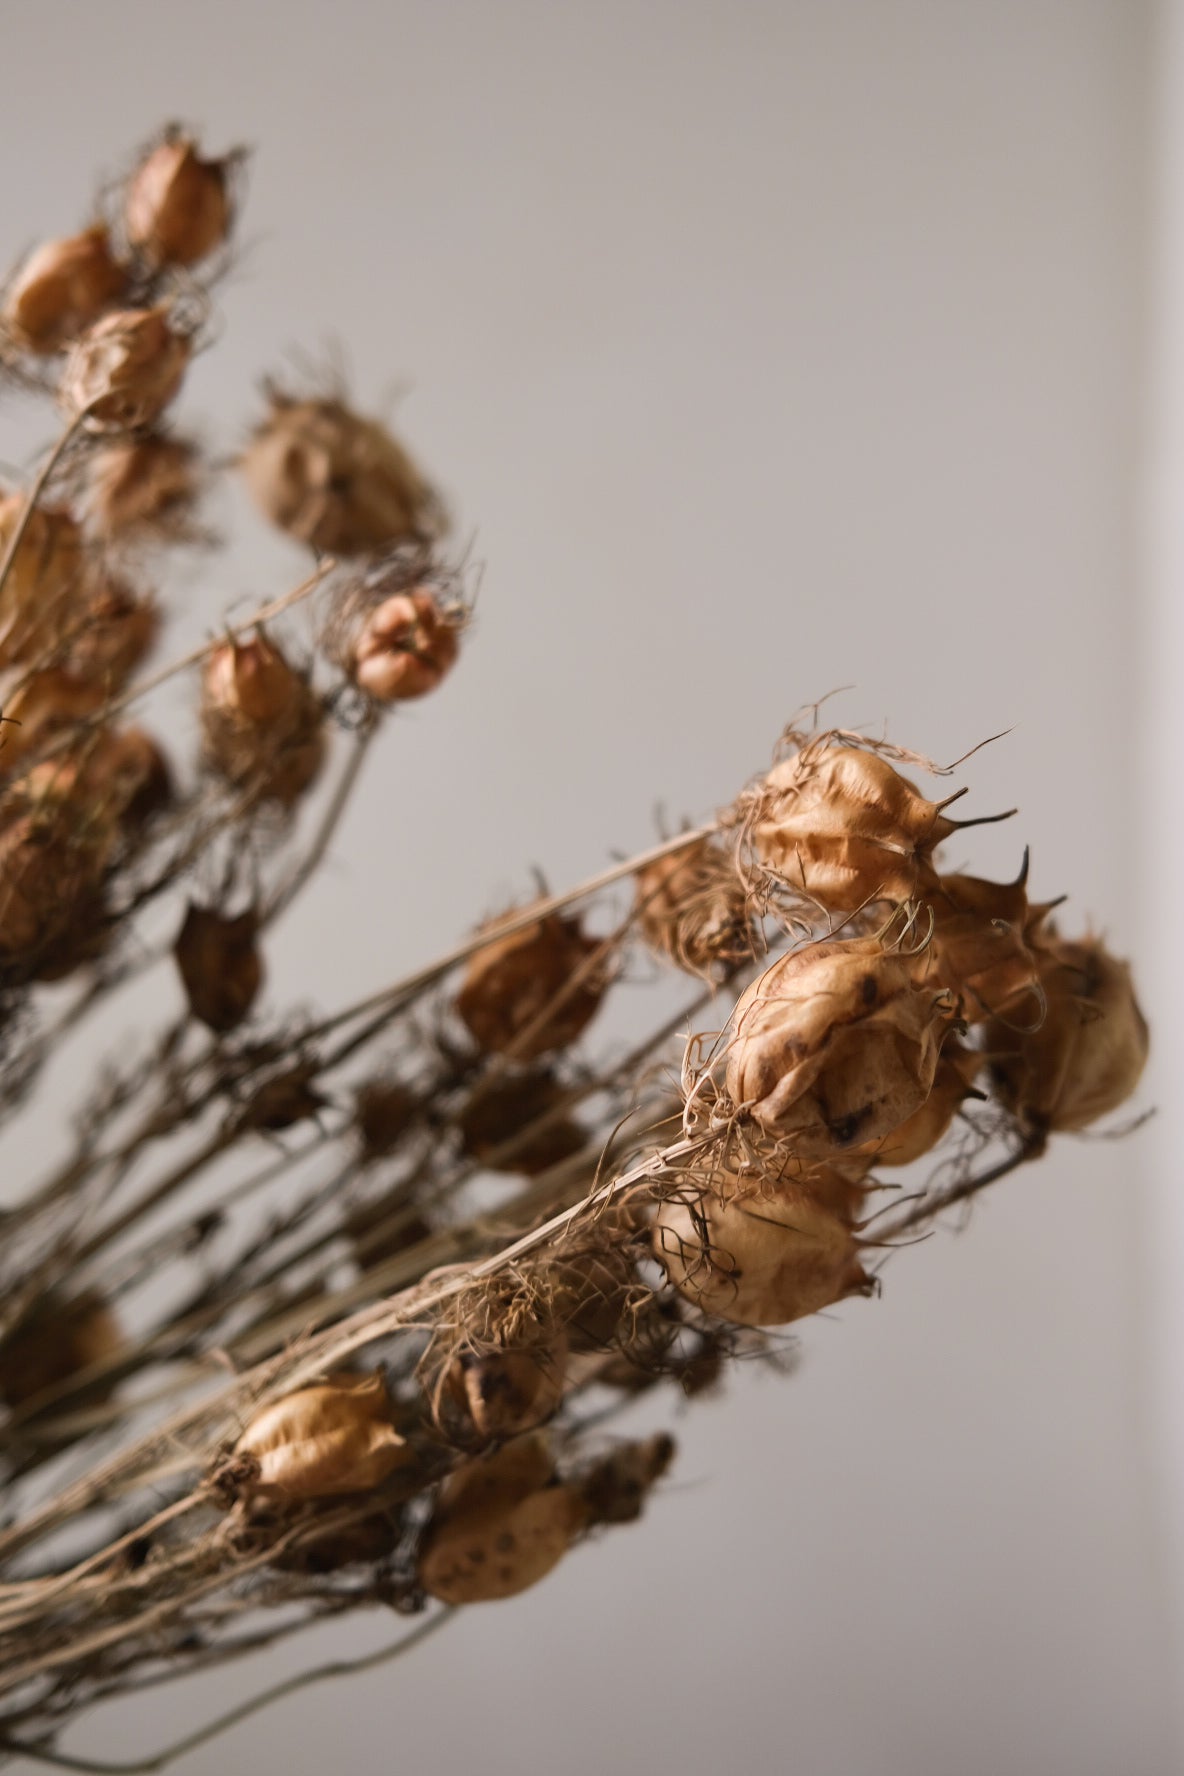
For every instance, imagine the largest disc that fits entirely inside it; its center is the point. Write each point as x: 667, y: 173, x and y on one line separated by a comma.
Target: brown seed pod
x: 46, y: 705
x: 263, y: 726
x: 503, y: 1393
x: 336, y: 481
x: 288, y: 1097
x: 58, y: 1341
x: 124, y: 370
x: 384, y: 1110
x: 533, y: 991
x: 62, y: 288
x: 177, y: 207
x: 144, y: 488
x: 838, y: 824
x: 405, y: 647
x: 44, y: 596
x: 220, y: 965
x: 52, y: 867
x: 115, y: 777
x: 337, y: 1437
x: 615, y: 1488
x: 1087, y: 1056
x: 497, y: 1121
x: 116, y: 631
x: 364, y: 1540
x: 982, y: 946
x: 919, y: 1134
x: 835, y: 1045
x: 498, y: 1526
x: 693, y: 908
x: 757, y: 1257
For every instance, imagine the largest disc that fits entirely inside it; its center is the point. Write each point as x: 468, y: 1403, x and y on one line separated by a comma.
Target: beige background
x: 765, y: 349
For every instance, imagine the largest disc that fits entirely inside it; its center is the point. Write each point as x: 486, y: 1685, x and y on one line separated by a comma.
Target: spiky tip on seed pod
x: 756, y: 1256
x: 337, y: 1437
x: 337, y: 481
x: 835, y: 1045
x: 982, y: 946
x: 500, y: 1524
x: 143, y: 489
x: 59, y: 1341
x: 1087, y: 1055
x: 220, y: 965
x: 61, y: 289
x: 177, y: 206
x: 514, y: 1122
x: 535, y: 990
x: 263, y: 726
x: 693, y: 909
x: 125, y: 369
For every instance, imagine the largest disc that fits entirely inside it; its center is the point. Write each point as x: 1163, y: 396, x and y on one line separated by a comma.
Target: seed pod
x: 288, y: 1097
x: 1087, y: 1056
x: 363, y: 1541
x: 220, y: 966
x: 404, y: 647
x: 62, y: 288
x: 46, y: 705
x: 498, y: 1527
x: 177, y: 206
x: 263, y: 726
x: 757, y: 1258
x: 58, y: 1341
x: 835, y: 1045
x: 839, y: 1189
x: 337, y: 1437
x: 118, y: 630
x: 44, y: 596
x: 384, y: 1109
x: 693, y: 909
x: 982, y: 946
x: 124, y: 370
x: 116, y: 777
x: 336, y: 481
x: 615, y: 1488
x: 919, y: 1134
x: 838, y: 824
x: 533, y: 991
x: 594, y: 1293
x: 503, y: 1393
x: 497, y: 1123
x: 143, y: 488
x: 52, y: 865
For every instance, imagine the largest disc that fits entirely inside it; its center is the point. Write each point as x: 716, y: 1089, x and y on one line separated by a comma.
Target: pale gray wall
x: 767, y: 348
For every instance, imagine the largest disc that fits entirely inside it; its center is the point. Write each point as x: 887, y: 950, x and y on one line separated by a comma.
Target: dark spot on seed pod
x: 869, y: 989
x: 505, y: 1542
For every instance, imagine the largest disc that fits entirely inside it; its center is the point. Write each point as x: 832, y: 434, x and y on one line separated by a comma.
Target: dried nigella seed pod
x: 366, y: 1539
x: 117, y: 630
x: 62, y: 288
x: 1088, y: 1054
x: 220, y: 965
x: 497, y: 1123
x: 498, y: 1526
x: 835, y: 1045
x: 125, y: 369
x: 983, y: 944
x: 263, y: 725
x: 336, y: 481
x: 756, y: 1256
x: 44, y: 596
x: 177, y: 206
x: 58, y: 1341
x: 404, y: 647
x: 384, y: 1110
x: 504, y: 1392
x: 52, y: 867
x: 693, y: 909
x: 337, y: 1437
x: 533, y: 991
x: 919, y: 1134
x: 143, y: 488
x: 615, y: 1488
x: 115, y: 777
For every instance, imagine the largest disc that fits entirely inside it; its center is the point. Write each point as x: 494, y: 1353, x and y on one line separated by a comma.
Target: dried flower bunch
x: 319, y: 1311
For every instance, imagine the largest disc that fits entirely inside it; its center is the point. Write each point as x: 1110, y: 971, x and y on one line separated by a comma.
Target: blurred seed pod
x: 144, y: 489
x: 56, y: 1343
x: 286, y: 1098
x: 125, y: 369
x: 755, y: 1256
x: 61, y: 289
x: 177, y: 207
x: 953, y: 1082
x: 502, y: 1393
x: 533, y: 991
x: 498, y: 1526
x: 835, y: 1045
x: 384, y: 1110
x: 336, y: 481
x: 366, y: 1539
x: 116, y: 631
x: 693, y: 909
x: 982, y: 946
x: 497, y: 1123
x: 45, y: 706
x: 263, y: 726
x: 614, y: 1489
x: 44, y: 596
x: 53, y: 862
x: 337, y: 1437
x: 114, y: 777
x: 1087, y: 1056
x: 404, y: 648
x: 220, y: 965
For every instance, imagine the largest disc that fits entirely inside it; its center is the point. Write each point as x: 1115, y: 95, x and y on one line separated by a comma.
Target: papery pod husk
x: 694, y: 909
x: 52, y: 868
x: 220, y: 965
x: 533, y: 991
x: 499, y: 1525
x: 125, y: 370
x: 497, y: 1123
x: 45, y: 596
x: 108, y: 777
x: 756, y: 1256
x: 954, y: 1081
x: 839, y: 825
x: 835, y: 1045
x: 615, y: 1488
x: 60, y: 1340
x: 501, y: 1393
x: 117, y: 631
x: 263, y: 726
x: 335, y: 1437
x: 367, y: 1538
x: 404, y: 647
x: 177, y: 207
x: 336, y: 481
x: 44, y: 707
x: 62, y: 287
x: 143, y: 489
x: 1087, y: 1056
x: 982, y: 947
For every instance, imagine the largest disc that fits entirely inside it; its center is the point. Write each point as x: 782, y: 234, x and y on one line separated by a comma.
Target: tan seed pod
x: 124, y: 370
x: 384, y: 1110
x: 336, y: 481
x: 220, y: 965
x: 615, y: 1488
x: 62, y: 288
x: 919, y: 1134
x: 503, y: 1393
x: 52, y: 867
x: 757, y: 1257
x: 404, y: 647
x: 982, y: 946
x: 58, y: 1342
x: 177, y: 206
x: 835, y: 1045
x: 533, y: 991
x: 1088, y: 1054
x: 143, y: 488
x: 366, y: 1539
x: 492, y: 1536
x: 116, y: 633
x: 337, y: 1437
x: 263, y: 726
x: 497, y: 1123
x: 693, y: 909
x: 45, y: 594
x: 115, y: 776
